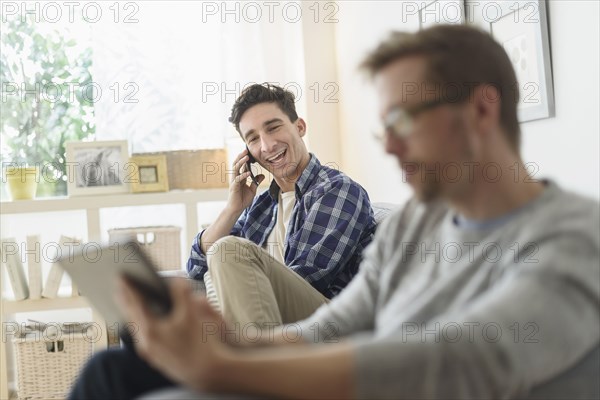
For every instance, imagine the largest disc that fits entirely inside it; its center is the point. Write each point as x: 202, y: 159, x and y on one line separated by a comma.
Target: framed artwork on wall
x: 521, y: 27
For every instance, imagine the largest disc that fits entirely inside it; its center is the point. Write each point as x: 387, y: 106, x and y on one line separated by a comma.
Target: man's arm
x: 241, y: 195
x: 316, y: 372
x: 201, y: 360
x: 222, y: 227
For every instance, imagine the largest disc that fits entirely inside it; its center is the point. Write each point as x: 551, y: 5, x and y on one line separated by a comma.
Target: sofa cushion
x: 382, y: 210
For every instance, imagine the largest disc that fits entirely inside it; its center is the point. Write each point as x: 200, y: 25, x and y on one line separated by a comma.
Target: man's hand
x: 241, y: 193
x: 186, y: 345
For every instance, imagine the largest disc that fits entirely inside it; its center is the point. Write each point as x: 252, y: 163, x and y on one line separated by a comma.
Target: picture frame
x: 148, y: 173
x: 521, y: 27
x: 96, y: 167
x: 436, y: 12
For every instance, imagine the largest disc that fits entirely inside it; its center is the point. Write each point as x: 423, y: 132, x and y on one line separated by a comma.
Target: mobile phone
x: 155, y: 294
x: 251, y: 160
x: 97, y: 271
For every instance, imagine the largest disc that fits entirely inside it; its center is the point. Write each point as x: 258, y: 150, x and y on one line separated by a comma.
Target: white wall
x: 320, y: 99
x: 566, y: 147
x: 362, y: 24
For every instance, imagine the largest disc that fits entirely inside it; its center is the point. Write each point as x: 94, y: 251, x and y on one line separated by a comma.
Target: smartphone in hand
x: 155, y: 294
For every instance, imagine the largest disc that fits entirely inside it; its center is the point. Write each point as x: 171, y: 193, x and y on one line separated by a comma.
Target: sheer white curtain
x: 168, y: 81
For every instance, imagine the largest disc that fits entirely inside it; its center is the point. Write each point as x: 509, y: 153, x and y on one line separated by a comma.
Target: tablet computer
x: 96, y: 271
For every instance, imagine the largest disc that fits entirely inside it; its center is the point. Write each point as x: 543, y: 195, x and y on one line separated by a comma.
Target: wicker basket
x: 161, y: 243
x: 47, y: 368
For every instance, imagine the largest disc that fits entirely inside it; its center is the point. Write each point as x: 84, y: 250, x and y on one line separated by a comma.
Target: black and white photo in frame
x: 97, y: 167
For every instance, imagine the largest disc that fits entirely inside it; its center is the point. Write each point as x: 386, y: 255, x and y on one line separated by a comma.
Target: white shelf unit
x: 92, y: 206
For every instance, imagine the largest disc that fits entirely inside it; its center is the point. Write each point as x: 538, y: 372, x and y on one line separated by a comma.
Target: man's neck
x: 288, y: 183
x: 286, y: 186
x: 488, y: 198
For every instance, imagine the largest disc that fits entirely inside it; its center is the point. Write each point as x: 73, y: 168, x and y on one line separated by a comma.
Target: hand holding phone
x: 155, y: 294
x: 251, y: 160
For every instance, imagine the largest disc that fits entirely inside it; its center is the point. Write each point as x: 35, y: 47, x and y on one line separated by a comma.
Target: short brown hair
x: 263, y: 93
x: 460, y: 56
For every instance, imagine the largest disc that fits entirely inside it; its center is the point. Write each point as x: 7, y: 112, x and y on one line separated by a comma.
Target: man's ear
x: 487, y: 103
x: 301, y: 126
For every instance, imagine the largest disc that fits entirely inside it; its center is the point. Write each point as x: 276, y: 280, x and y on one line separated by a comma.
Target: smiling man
x: 276, y: 257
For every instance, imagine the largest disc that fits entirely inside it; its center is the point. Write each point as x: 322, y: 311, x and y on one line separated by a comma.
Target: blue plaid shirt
x: 331, y: 223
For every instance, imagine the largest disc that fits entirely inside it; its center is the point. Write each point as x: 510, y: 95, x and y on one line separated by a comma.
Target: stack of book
x: 11, y: 253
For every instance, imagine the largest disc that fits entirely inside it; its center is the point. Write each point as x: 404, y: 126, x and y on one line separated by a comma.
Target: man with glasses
x: 482, y: 286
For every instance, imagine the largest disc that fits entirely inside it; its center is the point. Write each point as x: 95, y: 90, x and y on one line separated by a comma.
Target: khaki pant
x: 248, y: 285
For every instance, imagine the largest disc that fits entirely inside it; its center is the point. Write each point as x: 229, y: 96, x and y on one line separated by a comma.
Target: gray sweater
x: 439, y: 311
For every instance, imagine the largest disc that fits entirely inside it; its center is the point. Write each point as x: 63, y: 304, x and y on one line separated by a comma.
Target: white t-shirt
x: 276, y: 240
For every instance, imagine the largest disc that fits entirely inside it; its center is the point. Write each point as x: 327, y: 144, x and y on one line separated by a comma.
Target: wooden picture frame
x: 148, y: 173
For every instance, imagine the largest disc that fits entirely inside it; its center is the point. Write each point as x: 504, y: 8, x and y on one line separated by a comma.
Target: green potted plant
x: 41, y: 58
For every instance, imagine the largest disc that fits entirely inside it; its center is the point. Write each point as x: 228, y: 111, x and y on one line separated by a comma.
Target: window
x: 162, y: 75
x: 45, y: 70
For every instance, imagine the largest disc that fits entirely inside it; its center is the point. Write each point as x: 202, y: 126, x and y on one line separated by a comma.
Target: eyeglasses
x: 399, y: 121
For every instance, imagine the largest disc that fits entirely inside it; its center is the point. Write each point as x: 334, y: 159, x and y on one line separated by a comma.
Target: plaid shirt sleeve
x: 332, y: 224
x: 196, y: 265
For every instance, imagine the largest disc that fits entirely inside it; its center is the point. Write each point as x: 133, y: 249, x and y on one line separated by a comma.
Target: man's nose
x: 267, y: 144
x: 395, y: 145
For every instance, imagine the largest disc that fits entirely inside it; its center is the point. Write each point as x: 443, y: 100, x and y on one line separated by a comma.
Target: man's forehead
x: 257, y: 115
x: 400, y: 82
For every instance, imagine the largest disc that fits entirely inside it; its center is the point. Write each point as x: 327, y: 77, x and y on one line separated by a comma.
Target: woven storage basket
x: 161, y: 243
x: 47, y: 368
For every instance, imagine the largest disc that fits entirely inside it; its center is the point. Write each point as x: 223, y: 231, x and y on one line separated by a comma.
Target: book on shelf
x: 11, y: 258
x: 34, y: 266
x: 67, y: 244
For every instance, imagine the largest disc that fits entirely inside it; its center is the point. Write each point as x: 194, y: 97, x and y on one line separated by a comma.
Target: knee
x: 228, y: 251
